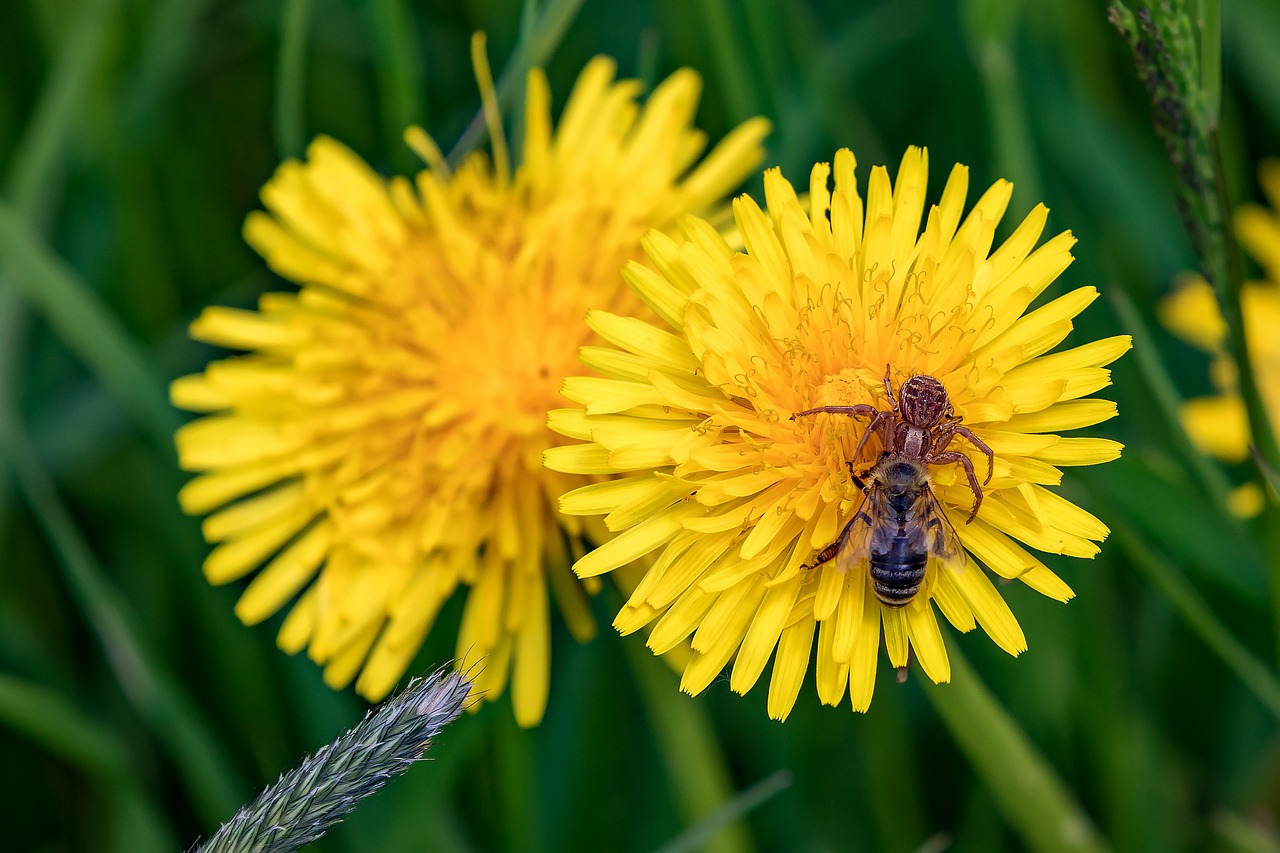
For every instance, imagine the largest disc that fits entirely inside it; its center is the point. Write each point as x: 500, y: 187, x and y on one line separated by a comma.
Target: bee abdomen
x: 896, y: 578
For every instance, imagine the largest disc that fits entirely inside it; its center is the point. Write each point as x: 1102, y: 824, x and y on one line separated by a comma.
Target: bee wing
x: 855, y: 550
x: 941, y: 539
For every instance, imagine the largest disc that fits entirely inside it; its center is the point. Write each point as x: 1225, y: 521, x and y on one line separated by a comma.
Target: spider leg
x: 861, y: 409
x: 888, y: 390
x: 981, y: 445
x: 936, y: 458
x: 879, y: 422
x: 942, y: 439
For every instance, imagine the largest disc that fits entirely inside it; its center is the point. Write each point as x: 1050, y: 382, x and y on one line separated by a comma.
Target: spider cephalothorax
x: 919, y: 425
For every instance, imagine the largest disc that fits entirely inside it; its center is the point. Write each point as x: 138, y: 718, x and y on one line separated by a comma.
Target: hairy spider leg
x: 883, y: 421
x: 888, y: 389
x: 956, y: 456
x: 851, y: 411
x: 951, y: 431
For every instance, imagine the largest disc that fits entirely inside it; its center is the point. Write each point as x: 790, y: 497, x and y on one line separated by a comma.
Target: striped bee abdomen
x: 896, y: 574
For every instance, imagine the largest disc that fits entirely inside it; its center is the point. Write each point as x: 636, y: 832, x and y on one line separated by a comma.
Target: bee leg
x: 828, y: 553
x: 857, y: 481
x: 935, y: 524
x: 935, y: 458
x: 861, y: 480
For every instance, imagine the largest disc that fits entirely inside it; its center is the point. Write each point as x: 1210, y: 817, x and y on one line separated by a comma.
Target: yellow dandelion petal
x: 1047, y: 583
x: 764, y: 634
x: 1072, y: 414
x: 681, y: 619
x: 848, y: 616
x: 380, y: 443
x: 789, y: 666
x: 990, y: 610
x: 759, y: 378
x: 952, y: 603
x: 926, y: 639
x: 299, y: 624
x: 832, y: 675
x: 285, y: 575
x: 866, y: 649
x: 894, y: 621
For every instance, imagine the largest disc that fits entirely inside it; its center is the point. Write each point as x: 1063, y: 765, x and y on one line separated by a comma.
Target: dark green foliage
x: 134, y: 137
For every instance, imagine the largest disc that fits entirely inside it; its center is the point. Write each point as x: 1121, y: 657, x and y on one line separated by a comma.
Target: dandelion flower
x: 734, y: 498
x: 1218, y: 424
x: 380, y: 443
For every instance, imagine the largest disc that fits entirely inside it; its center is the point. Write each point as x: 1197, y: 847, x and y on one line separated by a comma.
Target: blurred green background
x: 136, y: 713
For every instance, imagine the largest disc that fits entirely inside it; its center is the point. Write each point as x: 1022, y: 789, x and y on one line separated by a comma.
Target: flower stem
x: 290, y: 124
x: 1227, y: 265
x: 1164, y: 391
x: 1026, y: 790
x: 695, y: 762
x: 1180, y: 63
x: 1201, y: 619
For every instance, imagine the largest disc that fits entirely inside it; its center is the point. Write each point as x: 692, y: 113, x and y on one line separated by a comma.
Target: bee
x: 898, y: 528
x: 920, y: 425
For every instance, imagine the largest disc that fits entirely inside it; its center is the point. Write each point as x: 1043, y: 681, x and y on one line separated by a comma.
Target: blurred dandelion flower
x: 735, y: 498
x: 381, y: 442
x: 1218, y: 424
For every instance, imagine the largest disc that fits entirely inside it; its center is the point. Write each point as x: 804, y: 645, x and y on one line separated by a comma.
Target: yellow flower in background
x: 381, y: 442
x: 1218, y: 424
x: 736, y: 499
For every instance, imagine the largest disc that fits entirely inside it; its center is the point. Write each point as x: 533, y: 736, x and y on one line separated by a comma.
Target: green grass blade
x: 87, y: 326
x: 696, y: 837
x: 1197, y: 615
x: 1210, y: 21
x: 733, y: 69
x: 765, y: 20
x: 989, y: 28
x: 1253, y: 29
x: 515, y: 789
x: 1269, y: 475
x: 695, y: 763
x: 528, y: 20
x: 534, y: 50
x: 151, y: 690
x: 46, y: 717
x: 290, y: 124
x: 1160, y: 384
x: 398, y: 62
x: 1239, y: 835
x: 169, y: 49
x: 1033, y: 799
x: 135, y: 824
x: 43, y: 146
